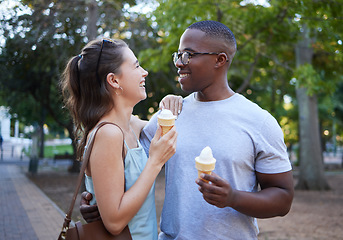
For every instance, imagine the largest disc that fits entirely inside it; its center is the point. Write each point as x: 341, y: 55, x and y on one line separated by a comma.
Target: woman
x: 103, y: 84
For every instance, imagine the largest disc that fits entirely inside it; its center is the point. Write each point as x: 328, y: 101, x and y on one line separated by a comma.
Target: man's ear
x: 222, y: 59
x: 112, y: 80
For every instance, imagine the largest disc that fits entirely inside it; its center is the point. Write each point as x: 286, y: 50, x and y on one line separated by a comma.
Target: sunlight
x: 263, y: 3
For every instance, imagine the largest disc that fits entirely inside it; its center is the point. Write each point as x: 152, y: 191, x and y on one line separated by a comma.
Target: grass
x: 51, y: 151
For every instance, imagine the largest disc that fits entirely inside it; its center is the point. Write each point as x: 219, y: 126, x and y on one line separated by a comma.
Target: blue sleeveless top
x: 143, y: 226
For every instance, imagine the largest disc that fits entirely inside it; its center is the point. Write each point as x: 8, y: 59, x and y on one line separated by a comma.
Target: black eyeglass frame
x: 97, y: 64
x: 177, y: 56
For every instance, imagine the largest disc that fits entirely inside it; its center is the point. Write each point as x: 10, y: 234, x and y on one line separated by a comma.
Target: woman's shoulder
x: 110, y: 131
x: 137, y: 124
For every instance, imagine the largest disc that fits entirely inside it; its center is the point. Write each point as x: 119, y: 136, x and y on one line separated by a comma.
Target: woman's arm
x: 90, y: 213
x: 116, y: 206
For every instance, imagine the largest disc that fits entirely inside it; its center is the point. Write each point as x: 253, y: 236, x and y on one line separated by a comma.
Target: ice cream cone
x: 205, y: 163
x: 204, y: 168
x: 205, y: 172
x: 166, y: 120
x: 165, y: 129
x: 200, y: 172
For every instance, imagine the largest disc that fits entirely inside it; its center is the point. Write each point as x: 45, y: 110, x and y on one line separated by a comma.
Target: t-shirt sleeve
x: 148, y: 133
x: 271, y: 150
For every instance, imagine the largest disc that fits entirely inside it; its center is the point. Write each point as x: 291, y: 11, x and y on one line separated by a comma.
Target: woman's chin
x: 143, y: 97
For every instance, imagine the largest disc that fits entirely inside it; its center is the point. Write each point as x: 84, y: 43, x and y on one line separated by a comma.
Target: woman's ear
x: 112, y: 80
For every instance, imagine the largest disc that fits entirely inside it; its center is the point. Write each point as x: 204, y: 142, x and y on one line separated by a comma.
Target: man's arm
x: 274, y: 199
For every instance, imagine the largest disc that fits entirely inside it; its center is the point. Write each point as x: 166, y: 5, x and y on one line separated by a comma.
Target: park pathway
x: 25, y: 211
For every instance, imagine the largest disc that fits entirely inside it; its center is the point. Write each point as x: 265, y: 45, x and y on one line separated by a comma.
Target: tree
x: 265, y: 68
x: 33, y: 55
x: 311, y: 159
x: 320, y: 27
x: 37, y: 47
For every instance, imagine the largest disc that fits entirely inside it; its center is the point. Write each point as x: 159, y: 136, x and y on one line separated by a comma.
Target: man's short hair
x: 215, y: 30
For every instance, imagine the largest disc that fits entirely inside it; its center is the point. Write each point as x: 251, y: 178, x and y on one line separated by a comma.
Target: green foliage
x: 33, y: 60
x: 37, y: 48
x: 306, y: 76
x: 38, y: 45
x: 266, y: 37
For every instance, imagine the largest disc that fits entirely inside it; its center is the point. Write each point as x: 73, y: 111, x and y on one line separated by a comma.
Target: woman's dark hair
x: 84, y: 85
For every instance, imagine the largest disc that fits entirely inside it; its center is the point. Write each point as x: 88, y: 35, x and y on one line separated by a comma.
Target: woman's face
x: 132, y: 77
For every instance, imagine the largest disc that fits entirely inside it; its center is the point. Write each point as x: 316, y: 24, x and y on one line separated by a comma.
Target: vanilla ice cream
x: 166, y: 120
x: 205, y: 162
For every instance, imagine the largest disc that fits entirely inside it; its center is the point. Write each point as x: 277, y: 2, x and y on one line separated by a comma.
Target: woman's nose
x: 145, y: 72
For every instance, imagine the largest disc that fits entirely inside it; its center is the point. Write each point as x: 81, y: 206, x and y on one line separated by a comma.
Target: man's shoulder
x: 246, y: 104
x: 188, y: 99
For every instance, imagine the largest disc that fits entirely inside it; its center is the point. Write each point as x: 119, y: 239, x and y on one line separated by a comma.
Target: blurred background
x: 289, y: 61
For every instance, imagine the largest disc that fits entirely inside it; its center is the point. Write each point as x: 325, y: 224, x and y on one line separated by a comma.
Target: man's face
x: 197, y: 75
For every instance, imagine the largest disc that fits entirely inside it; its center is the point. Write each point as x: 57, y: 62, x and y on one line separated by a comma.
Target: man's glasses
x: 186, y: 56
x: 97, y: 65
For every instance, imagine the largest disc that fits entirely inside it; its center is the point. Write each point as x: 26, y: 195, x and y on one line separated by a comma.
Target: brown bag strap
x: 86, y: 155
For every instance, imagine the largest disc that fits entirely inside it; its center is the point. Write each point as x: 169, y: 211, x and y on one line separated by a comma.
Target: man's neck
x: 222, y: 94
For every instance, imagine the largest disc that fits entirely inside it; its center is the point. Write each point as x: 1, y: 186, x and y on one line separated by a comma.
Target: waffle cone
x: 165, y: 129
x: 166, y: 124
x: 206, y: 168
x: 206, y: 172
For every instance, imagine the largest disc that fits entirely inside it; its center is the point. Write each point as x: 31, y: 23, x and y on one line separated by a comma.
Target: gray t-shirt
x: 244, y: 138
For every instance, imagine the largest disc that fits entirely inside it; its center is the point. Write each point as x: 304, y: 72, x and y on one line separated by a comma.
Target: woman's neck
x: 120, y: 116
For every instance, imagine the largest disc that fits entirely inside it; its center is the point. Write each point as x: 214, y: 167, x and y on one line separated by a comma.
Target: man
x: 245, y: 139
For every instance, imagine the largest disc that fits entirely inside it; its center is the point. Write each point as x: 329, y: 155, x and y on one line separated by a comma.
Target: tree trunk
x: 311, y: 176
x: 92, y: 19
